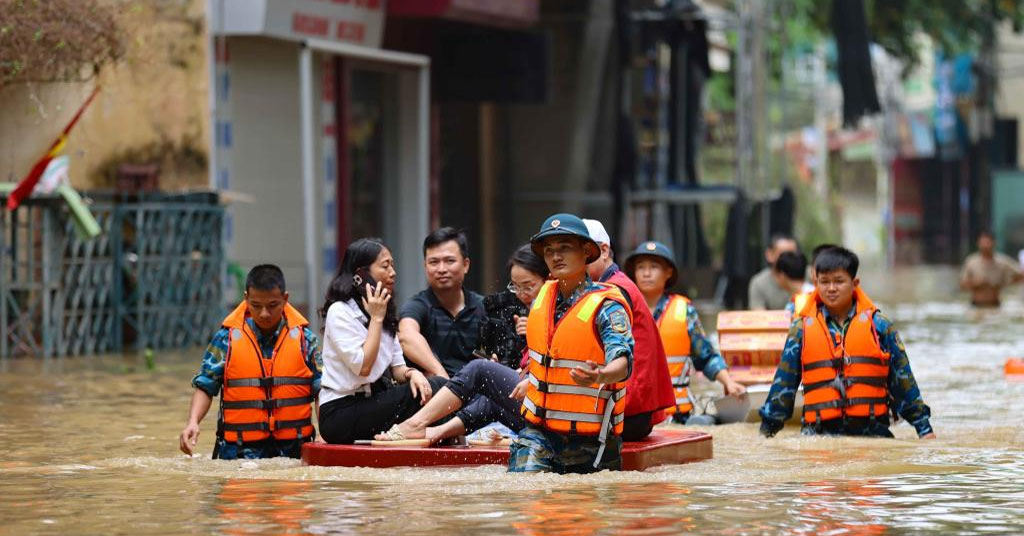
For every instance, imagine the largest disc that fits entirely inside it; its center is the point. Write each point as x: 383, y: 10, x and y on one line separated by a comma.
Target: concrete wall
x: 1010, y: 62
x: 266, y: 163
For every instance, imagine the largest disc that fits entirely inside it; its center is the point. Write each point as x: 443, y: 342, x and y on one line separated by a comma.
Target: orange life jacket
x: 800, y: 301
x: 266, y: 396
x: 553, y: 400
x: 844, y: 376
x: 676, y: 339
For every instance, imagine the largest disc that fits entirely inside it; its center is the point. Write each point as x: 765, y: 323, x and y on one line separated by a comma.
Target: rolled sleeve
x: 778, y: 407
x: 345, y: 332
x: 210, y: 377
x: 903, y: 388
x: 314, y: 358
x: 616, y: 333
x: 705, y: 358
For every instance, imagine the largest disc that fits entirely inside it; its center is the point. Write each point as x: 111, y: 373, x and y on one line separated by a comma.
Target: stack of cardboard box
x: 751, y: 343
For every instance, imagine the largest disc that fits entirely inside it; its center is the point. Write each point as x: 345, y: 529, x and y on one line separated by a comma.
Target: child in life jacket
x: 652, y: 266
x: 580, y: 346
x: 850, y: 360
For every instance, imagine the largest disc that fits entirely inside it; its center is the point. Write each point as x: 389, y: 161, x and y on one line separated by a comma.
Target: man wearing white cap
x: 649, y: 388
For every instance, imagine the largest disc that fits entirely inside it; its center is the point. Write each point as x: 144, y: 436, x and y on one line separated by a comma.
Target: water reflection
x: 264, y: 506
x: 89, y: 447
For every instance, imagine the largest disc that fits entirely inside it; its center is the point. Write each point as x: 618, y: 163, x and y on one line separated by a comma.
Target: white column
x: 308, y: 170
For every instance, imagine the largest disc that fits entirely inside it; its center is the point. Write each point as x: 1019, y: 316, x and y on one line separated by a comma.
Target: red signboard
x: 493, y: 12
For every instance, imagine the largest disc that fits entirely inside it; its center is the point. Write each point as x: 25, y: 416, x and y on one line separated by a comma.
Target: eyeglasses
x: 524, y: 289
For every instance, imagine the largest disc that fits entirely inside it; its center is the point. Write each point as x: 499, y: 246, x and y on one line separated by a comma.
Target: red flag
x: 24, y: 188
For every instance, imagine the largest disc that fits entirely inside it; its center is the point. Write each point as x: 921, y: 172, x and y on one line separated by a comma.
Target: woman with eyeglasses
x: 488, y: 383
x: 503, y: 335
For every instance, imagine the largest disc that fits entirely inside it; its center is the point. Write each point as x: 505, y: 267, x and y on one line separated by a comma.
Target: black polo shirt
x: 452, y: 338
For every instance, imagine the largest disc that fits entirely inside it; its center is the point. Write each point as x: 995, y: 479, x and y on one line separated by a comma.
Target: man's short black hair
x: 265, y: 277
x: 822, y: 247
x: 793, y: 265
x: 446, y: 234
x: 837, y: 258
x: 984, y: 232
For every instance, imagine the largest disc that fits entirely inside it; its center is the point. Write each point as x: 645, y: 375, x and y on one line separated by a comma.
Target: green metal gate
x: 152, y: 279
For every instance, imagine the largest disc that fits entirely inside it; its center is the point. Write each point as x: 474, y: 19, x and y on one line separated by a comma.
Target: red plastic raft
x: 662, y: 447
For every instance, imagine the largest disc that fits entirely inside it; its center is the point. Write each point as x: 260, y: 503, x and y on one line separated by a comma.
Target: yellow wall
x: 156, y: 94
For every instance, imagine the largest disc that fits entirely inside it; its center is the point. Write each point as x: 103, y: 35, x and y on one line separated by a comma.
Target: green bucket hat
x: 563, y: 224
x: 652, y: 248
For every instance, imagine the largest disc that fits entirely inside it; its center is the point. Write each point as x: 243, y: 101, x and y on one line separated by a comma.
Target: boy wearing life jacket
x: 580, y: 347
x: 850, y: 360
x: 265, y: 364
x: 653, y: 267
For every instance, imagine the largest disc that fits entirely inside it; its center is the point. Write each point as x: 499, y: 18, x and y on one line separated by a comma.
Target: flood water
x: 90, y: 447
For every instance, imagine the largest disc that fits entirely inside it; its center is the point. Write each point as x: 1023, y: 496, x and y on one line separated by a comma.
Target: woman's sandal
x: 395, y: 438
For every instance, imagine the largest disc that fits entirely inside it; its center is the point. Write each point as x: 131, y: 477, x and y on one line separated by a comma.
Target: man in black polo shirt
x: 440, y: 326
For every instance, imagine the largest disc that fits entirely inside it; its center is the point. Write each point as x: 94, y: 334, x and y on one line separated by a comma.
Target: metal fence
x: 152, y: 279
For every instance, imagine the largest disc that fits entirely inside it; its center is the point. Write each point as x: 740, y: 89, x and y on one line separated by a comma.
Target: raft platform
x: 662, y: 447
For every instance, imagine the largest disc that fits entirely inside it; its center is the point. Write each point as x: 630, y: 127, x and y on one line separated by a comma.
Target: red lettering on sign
x: 330, y: 131
x: 368, y: 4
x: 310, y: 24
x: 351, y: 31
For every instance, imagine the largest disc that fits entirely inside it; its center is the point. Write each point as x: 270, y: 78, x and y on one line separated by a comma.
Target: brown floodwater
x: 90, y: 447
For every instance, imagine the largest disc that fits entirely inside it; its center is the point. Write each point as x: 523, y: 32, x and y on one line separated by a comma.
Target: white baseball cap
x: 597, y: 232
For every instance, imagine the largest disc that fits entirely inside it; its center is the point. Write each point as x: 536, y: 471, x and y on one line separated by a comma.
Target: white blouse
x: 344, y: 334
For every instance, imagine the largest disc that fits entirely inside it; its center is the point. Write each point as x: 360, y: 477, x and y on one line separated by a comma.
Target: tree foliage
x: 56, y: 40
x: 954, y: 25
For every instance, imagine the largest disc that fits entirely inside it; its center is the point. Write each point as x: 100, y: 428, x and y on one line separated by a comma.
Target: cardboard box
x: 746, y: 321
x: 752, y: 375
x: 752, y: 349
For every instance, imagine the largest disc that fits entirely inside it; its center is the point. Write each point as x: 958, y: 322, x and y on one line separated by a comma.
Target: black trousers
x: 637, y: 427
x: 361, y: 417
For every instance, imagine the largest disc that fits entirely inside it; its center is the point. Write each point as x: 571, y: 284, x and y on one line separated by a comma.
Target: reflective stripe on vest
x: 553, y: 400
x: 675, y: 337
x: 266, y: 397
x: 845, y: 376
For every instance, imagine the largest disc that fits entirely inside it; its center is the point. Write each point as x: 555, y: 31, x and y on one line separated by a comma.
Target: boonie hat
x: 652, y: 248
x: 564, y: 224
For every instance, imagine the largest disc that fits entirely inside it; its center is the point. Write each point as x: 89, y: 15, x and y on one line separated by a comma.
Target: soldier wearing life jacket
x: 653, y: 267
x: 850, y: 360
x: 649, y: 387
x: 265, y: 364
x: 580, y: 345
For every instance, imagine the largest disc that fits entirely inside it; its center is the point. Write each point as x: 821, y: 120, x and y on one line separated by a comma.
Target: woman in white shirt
x: 363, y: 361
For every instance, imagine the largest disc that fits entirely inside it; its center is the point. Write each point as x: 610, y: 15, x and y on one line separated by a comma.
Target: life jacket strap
x: 864, y: 360
x: 602, y: 437
x: 824, y: 363
x: 297, y: 423
x: 247, y: 427
x: 676, y: 359
x: 544, y: 413
x: 269, y: 403
x: 547, y: 361
x: 545, y: 387
x: 270, y: 381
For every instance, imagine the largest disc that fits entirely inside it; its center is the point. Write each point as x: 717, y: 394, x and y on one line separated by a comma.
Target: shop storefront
x: 321, y: 134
